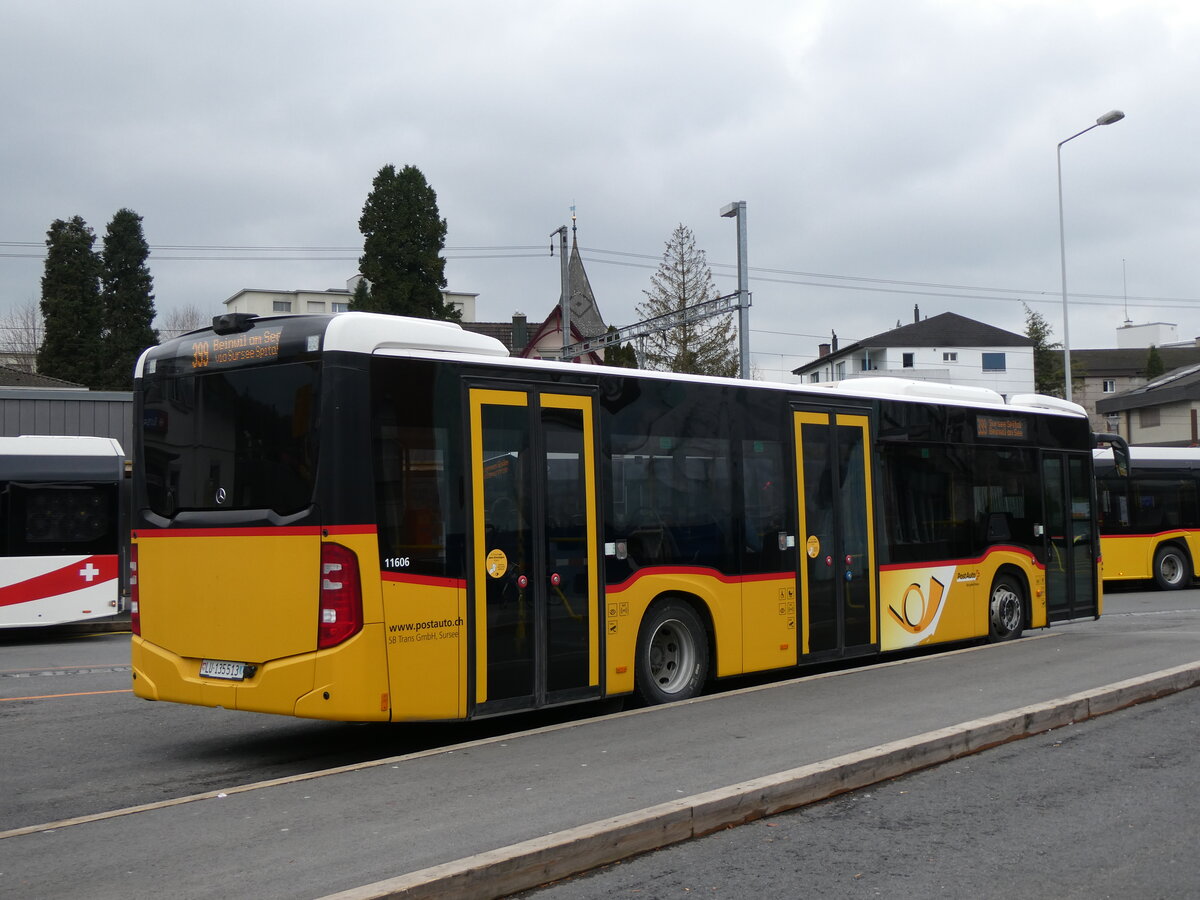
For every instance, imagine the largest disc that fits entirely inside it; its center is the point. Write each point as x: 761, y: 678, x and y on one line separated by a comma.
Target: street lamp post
x: 1107, y: 119
x: 737, y: 210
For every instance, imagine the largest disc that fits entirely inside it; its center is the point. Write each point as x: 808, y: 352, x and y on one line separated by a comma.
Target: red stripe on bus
x: 698, y: 570
x: 256, y: 531
x: 426, y: 580
x: 87, y: 572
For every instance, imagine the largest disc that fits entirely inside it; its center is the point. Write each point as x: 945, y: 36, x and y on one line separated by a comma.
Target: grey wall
x: 98, y: 413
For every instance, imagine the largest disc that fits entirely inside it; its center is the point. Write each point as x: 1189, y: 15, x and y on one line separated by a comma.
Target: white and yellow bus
x: 364, y: 517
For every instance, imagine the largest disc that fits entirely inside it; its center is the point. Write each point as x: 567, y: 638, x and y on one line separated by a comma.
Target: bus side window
x: 764, y: 493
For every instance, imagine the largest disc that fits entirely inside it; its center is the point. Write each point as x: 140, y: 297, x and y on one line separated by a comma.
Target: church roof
x: 585, y: 313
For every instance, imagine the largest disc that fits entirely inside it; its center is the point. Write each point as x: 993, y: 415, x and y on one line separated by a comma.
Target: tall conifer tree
x: 403, y: 239
x: 1047, y: 355
x: 128, y: 299
x: 71, y: 349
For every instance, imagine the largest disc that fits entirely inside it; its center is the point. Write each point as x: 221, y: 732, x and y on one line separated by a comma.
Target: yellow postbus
x: 1149, y: 515
x: 364, y: 517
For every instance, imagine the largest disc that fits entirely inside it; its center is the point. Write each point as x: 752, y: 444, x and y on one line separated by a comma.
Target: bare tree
x: 179, y: 320
x: 21, y: 333
x: 684, y: 280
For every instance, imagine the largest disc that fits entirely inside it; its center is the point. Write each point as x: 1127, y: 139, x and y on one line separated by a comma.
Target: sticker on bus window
x: 497, y: 563
x: 814, y: 546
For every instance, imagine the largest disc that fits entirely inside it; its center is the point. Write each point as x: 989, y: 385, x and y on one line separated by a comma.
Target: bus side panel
x: 426, y: 634
x: 769, y: 624
x: 1132, y: 555
x: 925, y: 605
x: 949, y: 601
x: 626, y: 604
x: 47, y: 590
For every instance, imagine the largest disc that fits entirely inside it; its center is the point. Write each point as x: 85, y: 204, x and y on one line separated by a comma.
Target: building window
x: 908, y: 360
x: 1110, y: 386
x: 814, y: 378
x: 316, y: 306
x: 950, y: 357
x: 865, y: 365
x: 841, y: 371
x: 993, y: 362
x: 1112, y: 422
x: 341, y: 307
x: 281, y: 306
x: 1148, y: 417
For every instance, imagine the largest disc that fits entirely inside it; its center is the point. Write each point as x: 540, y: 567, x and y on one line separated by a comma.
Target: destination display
x: 1002, y: 428
x: 261, y: 345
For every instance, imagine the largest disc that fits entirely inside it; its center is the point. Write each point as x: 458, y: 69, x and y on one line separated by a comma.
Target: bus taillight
x: 135, y: 614
x: 341, y: 596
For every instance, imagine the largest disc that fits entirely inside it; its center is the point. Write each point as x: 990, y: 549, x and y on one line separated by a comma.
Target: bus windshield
x: 233, y: 439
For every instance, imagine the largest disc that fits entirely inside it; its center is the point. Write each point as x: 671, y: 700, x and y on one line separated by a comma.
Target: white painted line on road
x: 526, y: 865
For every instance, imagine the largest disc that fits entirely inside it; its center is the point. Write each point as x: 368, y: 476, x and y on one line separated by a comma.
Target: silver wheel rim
x: 1170, y: 568
x: 672, y: 653
x: 1006, y: 609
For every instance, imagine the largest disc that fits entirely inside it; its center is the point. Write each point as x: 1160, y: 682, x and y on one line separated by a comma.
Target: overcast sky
x: 890, y: 152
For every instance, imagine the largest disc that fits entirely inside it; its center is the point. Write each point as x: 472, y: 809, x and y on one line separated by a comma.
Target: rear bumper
x: 344, y: 683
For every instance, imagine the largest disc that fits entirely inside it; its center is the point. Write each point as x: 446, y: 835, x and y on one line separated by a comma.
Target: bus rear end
x: 247, y: 563
x: 60, y: 529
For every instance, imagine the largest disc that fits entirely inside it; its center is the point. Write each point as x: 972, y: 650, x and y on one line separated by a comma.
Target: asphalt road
x: 76, y: 742
x: 66, y: 707
x: 1102, y: 809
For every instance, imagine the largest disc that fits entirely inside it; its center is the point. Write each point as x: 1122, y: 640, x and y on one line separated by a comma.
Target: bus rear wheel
x: 1006, y: 609
x: 672, y: 654
x: 1171, y: 568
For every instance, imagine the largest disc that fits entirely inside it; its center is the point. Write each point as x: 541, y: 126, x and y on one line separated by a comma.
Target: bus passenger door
x: 1070, y: 543
x: 837, y: 540
x: 534, y: 565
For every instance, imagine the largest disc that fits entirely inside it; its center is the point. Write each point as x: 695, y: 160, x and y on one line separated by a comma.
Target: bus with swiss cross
x: 63, y: 529
x: 376, y: 518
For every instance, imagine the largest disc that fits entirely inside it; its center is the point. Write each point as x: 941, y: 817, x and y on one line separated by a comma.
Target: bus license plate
x: 223, y: 668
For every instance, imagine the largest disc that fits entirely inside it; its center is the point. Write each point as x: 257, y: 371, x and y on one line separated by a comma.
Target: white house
x: 948, y: 348
x: 334, y: 300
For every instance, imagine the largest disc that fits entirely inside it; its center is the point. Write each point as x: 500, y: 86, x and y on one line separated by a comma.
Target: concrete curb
x: 526, y: 865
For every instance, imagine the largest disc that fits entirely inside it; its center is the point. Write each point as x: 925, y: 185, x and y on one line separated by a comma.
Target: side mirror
x: 1120, y: 450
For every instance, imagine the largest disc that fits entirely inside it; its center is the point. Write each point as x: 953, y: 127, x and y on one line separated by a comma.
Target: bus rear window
x: 236, y: 439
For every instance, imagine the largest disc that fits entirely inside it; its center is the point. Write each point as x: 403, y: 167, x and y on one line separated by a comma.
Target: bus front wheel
x: 672, y: 654
x: 1171, y: 569
x: 1006, y: 609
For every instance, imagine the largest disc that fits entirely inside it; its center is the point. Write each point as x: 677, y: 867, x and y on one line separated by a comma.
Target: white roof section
x: 371, y: 332
x: 62, y: 458
x: 1154, y: 454
x: 60, y: 445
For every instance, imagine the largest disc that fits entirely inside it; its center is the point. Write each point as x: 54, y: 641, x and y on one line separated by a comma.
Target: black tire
x: 1006, y: 608
x: 672, y: 654
x: 1172, y: 569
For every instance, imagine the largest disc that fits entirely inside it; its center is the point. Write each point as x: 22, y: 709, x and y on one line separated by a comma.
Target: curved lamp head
x: 1109, y: 117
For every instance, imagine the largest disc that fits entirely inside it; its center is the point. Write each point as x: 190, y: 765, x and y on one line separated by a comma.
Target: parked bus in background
x: 1150, y: 515
x: 60, y: 501
x: 364, y: 517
